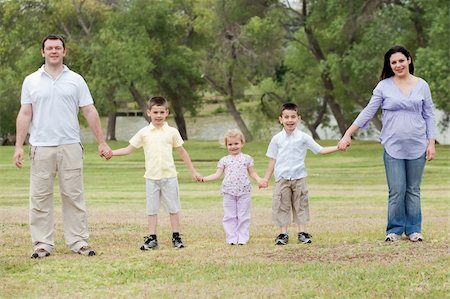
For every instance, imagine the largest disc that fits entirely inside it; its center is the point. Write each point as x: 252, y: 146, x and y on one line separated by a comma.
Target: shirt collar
x: 295, y: 132
x: 42, y: 70
x: 164, y: 126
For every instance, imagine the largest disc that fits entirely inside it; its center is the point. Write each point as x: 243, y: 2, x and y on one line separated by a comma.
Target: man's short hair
x: 53, y: 37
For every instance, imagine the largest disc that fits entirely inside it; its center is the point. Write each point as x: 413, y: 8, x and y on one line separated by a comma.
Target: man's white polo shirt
x: 55, y: 105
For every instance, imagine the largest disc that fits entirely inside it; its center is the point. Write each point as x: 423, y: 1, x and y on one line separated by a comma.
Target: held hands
x: 197, y: 176
x: 344, y: 143
x: 105, y: 151
x: 263, y: 183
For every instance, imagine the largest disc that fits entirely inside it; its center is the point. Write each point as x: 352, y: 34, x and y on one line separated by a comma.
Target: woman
x: 408, y: 138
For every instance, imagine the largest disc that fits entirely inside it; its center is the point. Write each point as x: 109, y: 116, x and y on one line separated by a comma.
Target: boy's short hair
x: 289, y: 106
x: 157, y: 101
x: 234, y: 133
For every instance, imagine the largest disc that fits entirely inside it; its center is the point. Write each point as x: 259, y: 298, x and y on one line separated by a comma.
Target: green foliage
x: 432, y: 60
x: 164, y: 46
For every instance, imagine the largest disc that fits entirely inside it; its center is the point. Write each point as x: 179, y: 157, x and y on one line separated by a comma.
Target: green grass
x: 347, y: 258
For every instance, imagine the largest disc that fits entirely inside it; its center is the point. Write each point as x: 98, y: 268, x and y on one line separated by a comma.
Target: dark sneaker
x: 150, y: 243
x: 86, y: 250
x: 40, y: 253
x: 304, y: 238
x: 282, y: 239
x: 177, y: 242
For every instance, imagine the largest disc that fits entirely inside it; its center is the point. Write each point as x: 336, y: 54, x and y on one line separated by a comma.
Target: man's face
x: 53, y: 52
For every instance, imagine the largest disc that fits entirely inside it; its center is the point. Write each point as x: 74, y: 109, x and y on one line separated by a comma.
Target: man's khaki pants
x: 67, y: 162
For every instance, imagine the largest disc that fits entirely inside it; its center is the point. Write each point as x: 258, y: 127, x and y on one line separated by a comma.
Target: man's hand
x: 105, y: 151
x: 18, y: 157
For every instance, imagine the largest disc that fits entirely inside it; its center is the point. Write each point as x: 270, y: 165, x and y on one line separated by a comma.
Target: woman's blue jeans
x: 404, y: 178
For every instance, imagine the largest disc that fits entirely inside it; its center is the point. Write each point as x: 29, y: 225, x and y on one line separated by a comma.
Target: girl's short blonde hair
x: 233, y: 133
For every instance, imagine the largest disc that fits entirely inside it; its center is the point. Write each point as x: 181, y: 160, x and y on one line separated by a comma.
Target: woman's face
x: 400, y: 64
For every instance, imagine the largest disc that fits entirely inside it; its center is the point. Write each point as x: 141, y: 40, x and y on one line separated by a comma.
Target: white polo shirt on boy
x: 55, y: 105
x: 289, y: 151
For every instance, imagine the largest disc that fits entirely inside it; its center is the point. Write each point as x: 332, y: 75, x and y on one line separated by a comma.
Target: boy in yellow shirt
x: 158, y: 139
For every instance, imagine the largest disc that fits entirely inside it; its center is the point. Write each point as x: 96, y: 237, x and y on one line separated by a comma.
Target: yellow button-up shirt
x: 158, y: 144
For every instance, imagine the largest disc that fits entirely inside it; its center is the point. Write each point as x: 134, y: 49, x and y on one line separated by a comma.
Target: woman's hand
x: 431, y: 151
x: 344, y: 143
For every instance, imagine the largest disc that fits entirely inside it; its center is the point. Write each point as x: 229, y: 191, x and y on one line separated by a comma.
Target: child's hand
x: 107, y: 154
x: 197, y: 176
x: 263, y: 184
x: 344, y: 143
x: 200, y: 179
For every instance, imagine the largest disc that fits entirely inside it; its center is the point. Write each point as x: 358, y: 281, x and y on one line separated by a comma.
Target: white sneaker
x: 392, y: 237
x: 415, y: 237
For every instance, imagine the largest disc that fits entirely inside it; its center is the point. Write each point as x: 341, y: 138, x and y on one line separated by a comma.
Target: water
x: 198, y: 128
x: 213, y: 127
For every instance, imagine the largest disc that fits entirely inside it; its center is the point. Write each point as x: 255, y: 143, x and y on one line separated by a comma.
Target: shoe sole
x: 36, y: 255
x: 416, y: 240
x: 143, y: 248
x: 280, y: 243
x: 90, y: 253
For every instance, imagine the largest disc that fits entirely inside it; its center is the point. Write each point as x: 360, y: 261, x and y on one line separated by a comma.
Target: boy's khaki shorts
x: 165, y: 190
x: 290, y: 195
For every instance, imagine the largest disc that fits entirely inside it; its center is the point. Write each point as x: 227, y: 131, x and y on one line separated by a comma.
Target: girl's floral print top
x: 235, y: 167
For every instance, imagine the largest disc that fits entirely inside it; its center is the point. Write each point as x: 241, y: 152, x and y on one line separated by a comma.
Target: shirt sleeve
x: 428, y: 114
x: 136, y: 140
x: 177, y: 140
x: 312, y: 144
x: 272, y: 150
x: 84, y: 95
x: 25, y: 97
x: 372, y: 107
x: 221, y: 163
x: 251, y: 162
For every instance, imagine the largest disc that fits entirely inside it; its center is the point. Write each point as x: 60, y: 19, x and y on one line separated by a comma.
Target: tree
x: 233, y: 61
x: 19, y: 55
x: 145, y: 49
x: 432, y: 27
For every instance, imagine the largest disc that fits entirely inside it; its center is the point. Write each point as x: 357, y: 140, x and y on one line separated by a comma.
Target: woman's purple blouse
x: 408, y: 121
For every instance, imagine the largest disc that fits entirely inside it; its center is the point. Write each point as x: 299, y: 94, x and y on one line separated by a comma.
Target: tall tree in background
x: 335, y: 52
x: 231, y: 63
x: 433, y: 37
x: 324, y: 55
x: 19, y: 56
x: 145, y: 49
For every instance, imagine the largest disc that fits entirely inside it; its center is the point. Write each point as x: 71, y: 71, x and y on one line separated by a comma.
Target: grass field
x: 347, y: 259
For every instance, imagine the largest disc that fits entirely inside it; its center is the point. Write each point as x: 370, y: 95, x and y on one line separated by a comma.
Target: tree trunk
x: 238, y: 119
x: 111, y: 131
x: 327, y: 82
x: 230, y: 99
x: 140, y: 99
x: 179, y: 117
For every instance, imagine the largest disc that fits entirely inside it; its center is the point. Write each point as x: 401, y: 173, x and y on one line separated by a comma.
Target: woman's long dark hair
x: 387, y: 70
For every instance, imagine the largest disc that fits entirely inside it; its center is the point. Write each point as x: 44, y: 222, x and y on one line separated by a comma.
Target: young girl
x: 235, y: 188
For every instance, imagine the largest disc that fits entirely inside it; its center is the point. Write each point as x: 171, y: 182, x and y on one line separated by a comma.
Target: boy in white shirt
x: 287, y: 152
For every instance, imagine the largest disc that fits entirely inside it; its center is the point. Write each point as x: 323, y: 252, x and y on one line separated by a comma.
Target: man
x: 50, y: 101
